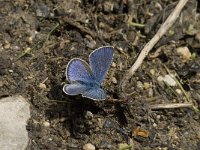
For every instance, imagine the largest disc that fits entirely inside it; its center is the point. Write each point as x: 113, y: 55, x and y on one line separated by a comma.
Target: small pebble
x: 30, y: 39
x: 114, y: 80
x: 88, y: 115
x: 152, y: 120
x: 16, y: 48
x: 42, y: 86
x: 88, y: 146
x: 168, y: 79
x: 154, y: 125
x: 160, y: 78
x: 29, y: 77
x: 140, y: 85
x: 158, y: 116
x: 184, y: 52
x: 178, y: 91
x: 11, y: 71
x: 62, y: 119
x: 46, y: 123
x: 174, y: 101
x: 27, y: 50
x: 7, y: 46
x: 152, y: 71
x: 146, y: 85
x: 113, y: 64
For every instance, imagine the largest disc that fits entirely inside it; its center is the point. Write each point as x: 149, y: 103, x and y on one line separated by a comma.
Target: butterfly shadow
x: 68, y: 112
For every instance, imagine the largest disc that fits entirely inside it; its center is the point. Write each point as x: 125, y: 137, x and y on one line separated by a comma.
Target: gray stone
x: 14, y: 113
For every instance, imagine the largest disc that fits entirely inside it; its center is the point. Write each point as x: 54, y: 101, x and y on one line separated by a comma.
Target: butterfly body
x: 86, y: 79
x: 90, y: 85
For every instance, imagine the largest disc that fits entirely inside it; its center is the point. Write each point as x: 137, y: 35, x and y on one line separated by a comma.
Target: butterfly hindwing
x: 95, y: 94
x: 75, y: 88
x: 100, y: 61
x: 79, y: 70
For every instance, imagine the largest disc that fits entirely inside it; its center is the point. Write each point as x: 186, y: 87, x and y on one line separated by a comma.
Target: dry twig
x: 171, y: 105
x: 163, y: 29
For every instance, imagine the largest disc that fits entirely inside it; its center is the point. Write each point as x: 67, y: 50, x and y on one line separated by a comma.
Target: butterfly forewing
x: 79, y: 70
x: 100, y: 61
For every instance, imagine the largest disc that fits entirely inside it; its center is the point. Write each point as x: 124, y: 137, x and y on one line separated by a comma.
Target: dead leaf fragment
x: 140, y: 132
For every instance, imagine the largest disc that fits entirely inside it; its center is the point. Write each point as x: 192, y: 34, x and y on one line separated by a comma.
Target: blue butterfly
x: 86, y: 79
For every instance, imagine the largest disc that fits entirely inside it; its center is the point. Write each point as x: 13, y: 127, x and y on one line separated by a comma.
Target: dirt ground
x: 39, y: 37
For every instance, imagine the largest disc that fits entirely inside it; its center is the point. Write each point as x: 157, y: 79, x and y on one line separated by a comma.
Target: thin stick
x: 49, y: 34
x: 171, y: 105
x: 163, y: 29
x: 182, y: 89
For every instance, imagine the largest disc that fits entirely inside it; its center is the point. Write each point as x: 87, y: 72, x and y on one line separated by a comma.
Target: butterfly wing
x: 79, y: 74
x: 100, y: 61
x: 85, y: 80
x: 75, y: 88
x: 95, y: 94
x: 78, y: 70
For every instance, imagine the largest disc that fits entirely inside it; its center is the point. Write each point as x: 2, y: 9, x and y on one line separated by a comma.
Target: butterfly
x: 86, y: 79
